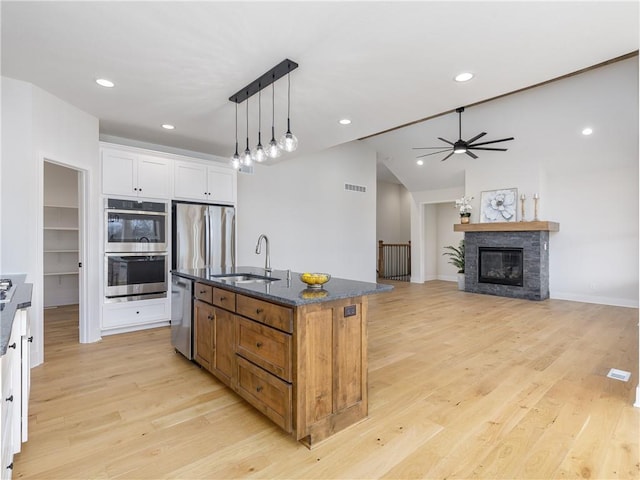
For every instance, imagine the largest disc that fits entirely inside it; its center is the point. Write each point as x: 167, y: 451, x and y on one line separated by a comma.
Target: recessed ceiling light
x: 464, y: 77
x: 587, y: 131
x: 103, y: 82
x: 344, y: 121
x: 420, y: 162
x: 166, y: 126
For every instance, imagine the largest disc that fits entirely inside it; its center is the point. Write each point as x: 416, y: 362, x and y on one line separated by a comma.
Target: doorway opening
x: 63, y: 198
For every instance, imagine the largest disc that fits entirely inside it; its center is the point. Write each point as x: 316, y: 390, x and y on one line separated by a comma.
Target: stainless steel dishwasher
x: 182, y: 315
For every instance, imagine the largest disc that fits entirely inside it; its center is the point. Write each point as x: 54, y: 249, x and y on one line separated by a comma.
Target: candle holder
x: 522, y: 199
x: 536, y: 198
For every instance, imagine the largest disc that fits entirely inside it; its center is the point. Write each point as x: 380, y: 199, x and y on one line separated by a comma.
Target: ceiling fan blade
x: 492, y: 141
x: 427, y: 148
x: 446, y: 157
x: 471, y: 154
x: 446, y: 141
x: 476, y: 137
x: 488, y: 148
x: 434, y: 153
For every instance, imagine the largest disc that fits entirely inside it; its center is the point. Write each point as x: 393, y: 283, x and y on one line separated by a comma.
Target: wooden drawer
x: 265, y: 392
x: 203, y: 292
x: 224, y: 299
x: 275, y: 316
x: 265, y: 346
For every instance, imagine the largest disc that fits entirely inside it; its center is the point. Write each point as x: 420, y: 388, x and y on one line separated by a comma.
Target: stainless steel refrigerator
x: 202, y: 236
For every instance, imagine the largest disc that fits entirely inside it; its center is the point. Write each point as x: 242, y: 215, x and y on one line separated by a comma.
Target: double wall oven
x: 136, y: 255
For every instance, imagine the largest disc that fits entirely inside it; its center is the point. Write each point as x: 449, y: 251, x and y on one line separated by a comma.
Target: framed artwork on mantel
x: 499, y: 205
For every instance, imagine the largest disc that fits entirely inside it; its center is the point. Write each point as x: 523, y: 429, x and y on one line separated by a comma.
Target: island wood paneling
x: 460, y: 386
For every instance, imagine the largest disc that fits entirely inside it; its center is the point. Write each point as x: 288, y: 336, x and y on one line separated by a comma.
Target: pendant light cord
x: 247, y: 121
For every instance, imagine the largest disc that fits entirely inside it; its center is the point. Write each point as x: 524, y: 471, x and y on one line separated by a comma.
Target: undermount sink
x: 244, y: 278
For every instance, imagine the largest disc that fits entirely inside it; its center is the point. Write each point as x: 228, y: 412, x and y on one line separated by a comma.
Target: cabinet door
x: 153, y: 177
x: 204, y: 317
x: 119, y: 170
x: 190, y: 181
x: 224, y: 356
x: 221, y: 184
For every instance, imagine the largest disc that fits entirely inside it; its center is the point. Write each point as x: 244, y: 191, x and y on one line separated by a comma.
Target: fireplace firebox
x: 501, y: 266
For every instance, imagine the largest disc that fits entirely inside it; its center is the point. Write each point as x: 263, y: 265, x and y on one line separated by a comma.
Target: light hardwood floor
x: 460, y: 386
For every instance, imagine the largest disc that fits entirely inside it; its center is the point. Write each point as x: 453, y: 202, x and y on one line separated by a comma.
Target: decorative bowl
x: 315, y: 280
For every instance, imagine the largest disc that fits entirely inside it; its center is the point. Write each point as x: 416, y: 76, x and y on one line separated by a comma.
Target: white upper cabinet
x: 209, y: 183
x: 133, y: 174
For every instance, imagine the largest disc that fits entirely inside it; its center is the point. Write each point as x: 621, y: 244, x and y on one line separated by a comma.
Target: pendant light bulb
x: 235, y: 158
x: 288, y: 142
x: 273, y: 150
x: 247, y: 160
x: 259, y: 155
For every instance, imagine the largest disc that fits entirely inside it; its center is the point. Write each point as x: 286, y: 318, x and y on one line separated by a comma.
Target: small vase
x: 465, y: 218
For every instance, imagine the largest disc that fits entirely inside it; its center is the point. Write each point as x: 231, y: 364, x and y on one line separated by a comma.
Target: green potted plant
x: 456, y: 258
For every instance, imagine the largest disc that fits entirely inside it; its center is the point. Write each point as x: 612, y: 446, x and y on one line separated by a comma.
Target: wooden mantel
x: 540, y: 225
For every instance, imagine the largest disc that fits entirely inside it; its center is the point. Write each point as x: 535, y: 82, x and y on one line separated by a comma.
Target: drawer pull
x: 222, y: 299
x: 258, y: 344
x: 259, y: 311
x: 202, y: 292
x: 10, y: 466
x: 9, y: 398
x: 209, y: 317
x: 259, y: 388
x: 30, y: 339
x: 13, y: 345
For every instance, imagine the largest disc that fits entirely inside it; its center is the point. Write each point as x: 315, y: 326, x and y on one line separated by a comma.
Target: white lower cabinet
x: 15, y: 371
x: 125, y: 316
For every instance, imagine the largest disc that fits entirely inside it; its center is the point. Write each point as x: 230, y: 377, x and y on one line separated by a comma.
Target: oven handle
x: 138, y: 212
x: 136, y: 254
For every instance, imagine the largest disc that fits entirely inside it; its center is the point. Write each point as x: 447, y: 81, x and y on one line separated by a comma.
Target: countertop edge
x: 360, y: 288
x: 21, y: 299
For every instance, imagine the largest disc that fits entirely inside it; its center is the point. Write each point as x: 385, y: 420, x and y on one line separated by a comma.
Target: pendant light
x: 273, y: 150
x: 235, y: 159
x: 259, y: 154
x: 246, y: 156
x: 288, y: 142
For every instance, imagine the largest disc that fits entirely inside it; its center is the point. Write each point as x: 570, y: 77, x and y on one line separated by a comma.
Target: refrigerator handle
x: 207, y: 239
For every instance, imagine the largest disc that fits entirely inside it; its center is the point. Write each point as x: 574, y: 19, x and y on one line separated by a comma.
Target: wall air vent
x: 247, y: 169
x: 354, y: 188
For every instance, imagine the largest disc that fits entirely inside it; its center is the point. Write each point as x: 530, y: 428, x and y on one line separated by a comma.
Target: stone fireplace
x: 508, y: 259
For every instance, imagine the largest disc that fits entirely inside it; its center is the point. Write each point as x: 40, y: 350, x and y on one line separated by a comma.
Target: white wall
x: 393, y: 213
x: 313, y: 224
x: 447, y: 216
x: 587, y: 184
x: 37, y: 126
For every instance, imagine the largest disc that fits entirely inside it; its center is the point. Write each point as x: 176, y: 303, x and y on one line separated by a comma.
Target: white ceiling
x: 382, y: 64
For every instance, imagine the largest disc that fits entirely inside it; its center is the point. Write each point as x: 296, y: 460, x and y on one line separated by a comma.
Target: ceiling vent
x: 354, y: 188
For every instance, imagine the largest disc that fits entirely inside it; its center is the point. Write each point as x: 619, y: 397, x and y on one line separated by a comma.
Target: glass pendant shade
x: 259, y: 155
x: 288, y: 141
x: 246, y: 158
x: 273, y: 150
x: 235, y: 158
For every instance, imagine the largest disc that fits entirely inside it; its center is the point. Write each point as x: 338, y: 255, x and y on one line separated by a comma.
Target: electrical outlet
x: 350, y: 311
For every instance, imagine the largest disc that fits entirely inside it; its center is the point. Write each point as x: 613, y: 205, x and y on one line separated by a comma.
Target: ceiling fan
x: 462, y: 146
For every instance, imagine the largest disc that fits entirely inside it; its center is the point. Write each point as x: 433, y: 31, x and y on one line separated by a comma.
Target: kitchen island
x: 297, y: 354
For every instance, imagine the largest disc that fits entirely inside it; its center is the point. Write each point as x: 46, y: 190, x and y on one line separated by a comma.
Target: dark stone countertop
x: 21, y: 299
x: 293, y: 292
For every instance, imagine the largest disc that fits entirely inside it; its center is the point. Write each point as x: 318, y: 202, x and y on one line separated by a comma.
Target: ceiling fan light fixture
x: 459, y: 147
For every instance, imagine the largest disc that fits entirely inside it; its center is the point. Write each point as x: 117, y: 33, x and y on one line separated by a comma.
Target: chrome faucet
x: 267, y: 258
